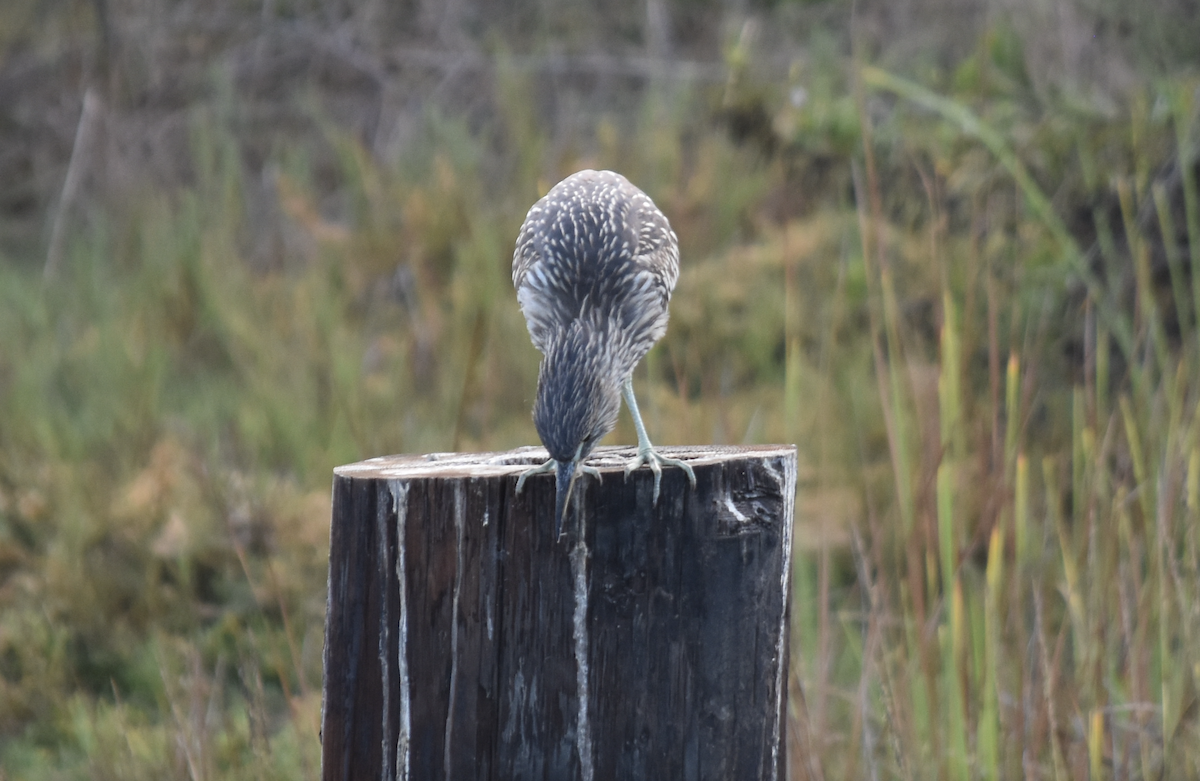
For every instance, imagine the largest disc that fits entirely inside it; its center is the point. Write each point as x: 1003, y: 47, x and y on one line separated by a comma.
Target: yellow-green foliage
x: 997, y: 572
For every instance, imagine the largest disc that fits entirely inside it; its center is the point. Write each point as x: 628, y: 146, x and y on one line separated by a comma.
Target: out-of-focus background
x: 949, y: 247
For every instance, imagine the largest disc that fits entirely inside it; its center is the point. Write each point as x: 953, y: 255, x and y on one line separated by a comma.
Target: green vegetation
x: 969, y: 299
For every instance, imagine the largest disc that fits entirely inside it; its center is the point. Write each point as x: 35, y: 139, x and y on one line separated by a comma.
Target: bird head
x: 578, y: 399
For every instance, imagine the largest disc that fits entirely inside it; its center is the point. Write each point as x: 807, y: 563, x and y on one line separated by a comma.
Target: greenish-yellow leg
x: 645, y: 452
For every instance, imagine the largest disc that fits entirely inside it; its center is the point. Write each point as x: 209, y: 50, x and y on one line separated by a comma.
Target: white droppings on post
x: 773, y: 472
x: 490, y: 604
x: 399, y: 490
x: 520, y: 702
x: 459, y: 504
x: 385, y: 666
x: 787, y: 488
x: 488, y: 465
x: 583, y: 730
x: 741, y: 517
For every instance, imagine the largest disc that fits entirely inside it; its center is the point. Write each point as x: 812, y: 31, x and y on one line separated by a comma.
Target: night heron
x: 594, y: 267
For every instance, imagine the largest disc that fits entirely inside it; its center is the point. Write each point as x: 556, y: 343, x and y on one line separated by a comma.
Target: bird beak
x: 565, y: 482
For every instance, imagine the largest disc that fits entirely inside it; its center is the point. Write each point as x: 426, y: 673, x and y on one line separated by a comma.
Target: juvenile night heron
x: 594, y: 268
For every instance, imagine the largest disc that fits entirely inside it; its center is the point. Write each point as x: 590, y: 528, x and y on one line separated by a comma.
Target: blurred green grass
x: 973, y: 308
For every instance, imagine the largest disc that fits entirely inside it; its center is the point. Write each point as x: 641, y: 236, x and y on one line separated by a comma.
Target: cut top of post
x: 514, y: 462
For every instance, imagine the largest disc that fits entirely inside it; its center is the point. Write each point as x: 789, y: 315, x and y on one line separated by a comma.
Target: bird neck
x: 578, y: 390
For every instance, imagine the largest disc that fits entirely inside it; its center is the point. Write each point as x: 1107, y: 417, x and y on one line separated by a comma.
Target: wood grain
x: 464, y: 641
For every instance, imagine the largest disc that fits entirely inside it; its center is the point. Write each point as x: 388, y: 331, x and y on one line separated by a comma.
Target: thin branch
x: 80, y: 158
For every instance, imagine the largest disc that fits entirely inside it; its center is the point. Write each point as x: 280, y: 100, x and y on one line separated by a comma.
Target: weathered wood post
x: 463, y: 641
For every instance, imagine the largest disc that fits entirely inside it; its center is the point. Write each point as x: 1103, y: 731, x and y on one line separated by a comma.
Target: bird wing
x: 629, y: 271
x: 656, y: 257
x: 536, y: 277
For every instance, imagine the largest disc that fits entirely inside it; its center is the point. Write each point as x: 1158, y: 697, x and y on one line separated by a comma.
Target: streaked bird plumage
x: 594, y: 267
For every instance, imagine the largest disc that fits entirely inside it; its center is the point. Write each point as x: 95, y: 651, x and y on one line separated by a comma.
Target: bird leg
x: 645, y: 452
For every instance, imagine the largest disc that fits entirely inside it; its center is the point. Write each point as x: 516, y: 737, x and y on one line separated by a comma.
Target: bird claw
x: 549, y: 466
x: 656, y: 462
x: 540, y: 469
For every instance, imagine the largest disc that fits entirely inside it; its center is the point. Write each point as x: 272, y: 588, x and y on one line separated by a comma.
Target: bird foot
x: 543, y: 468
x: 549, y: 465
x: 656, y: 463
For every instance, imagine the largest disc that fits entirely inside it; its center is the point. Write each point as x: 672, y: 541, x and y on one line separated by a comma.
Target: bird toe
x: 656, y: 462
x: 547, y: 466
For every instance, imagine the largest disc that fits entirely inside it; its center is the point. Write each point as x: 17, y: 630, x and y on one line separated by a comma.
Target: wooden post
x: 463, y: 641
